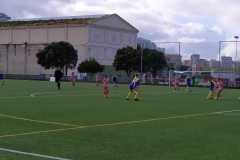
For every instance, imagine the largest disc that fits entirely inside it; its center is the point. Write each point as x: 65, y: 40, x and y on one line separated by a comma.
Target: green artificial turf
x: 177, y: 126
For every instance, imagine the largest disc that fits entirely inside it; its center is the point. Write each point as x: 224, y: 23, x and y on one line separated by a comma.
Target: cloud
x: 229, y: 49
x: 191, y: 40
x: 198, y: 23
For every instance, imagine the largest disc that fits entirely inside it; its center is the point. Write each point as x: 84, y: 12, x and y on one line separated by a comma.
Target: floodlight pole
x: 236, y: 55
x: 142, y: 59
x: 219, y: 53
x: 179, y: 48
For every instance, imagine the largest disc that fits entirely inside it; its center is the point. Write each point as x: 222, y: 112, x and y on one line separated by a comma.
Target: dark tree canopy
x: 90, y: 66
x: 153, y: 60
x: 58, y: 55
x: 127, y: 60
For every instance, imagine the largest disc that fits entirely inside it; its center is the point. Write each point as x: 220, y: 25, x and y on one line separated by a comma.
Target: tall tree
x: 126, y: 59
x: 153, y: 60
x: 90, y: 66
x: 58, y: 55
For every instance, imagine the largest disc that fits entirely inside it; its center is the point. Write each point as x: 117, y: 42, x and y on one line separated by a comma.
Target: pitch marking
x: 31, y: 154
x: 122, y: 123
x: 37, y: 121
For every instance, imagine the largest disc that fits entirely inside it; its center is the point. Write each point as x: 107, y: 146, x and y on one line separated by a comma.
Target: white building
x: 98, y: 36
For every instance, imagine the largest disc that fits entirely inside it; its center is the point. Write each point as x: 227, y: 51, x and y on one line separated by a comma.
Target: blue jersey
x: 211, y: 86
x: 134, y: 84
x: 189, y: 82
x: 1, y: 77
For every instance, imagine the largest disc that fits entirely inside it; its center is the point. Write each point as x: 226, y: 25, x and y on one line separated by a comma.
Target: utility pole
x: 236, y: 54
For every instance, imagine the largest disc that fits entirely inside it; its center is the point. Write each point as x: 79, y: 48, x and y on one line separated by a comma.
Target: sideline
x: 37, y: 121
x: 31, y: 154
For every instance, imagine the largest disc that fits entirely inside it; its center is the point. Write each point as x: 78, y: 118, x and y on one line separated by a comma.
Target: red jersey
x: 220, y: 85
x: 105, y: 87
x: 175, y: 82
x: 105, y: 82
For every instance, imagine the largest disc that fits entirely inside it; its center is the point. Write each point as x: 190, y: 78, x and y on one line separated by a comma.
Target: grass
x: 208, y: 137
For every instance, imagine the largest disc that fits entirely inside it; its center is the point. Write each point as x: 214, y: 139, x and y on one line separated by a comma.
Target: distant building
x: 187, y: 63
x: 199, y: 64
x: 146, y: 43
x: 227, y: 62
x: 195, y: 59
x: 203, y: 64
x: 213, y: 64
x: 174, y: 60
x: 237, y: 64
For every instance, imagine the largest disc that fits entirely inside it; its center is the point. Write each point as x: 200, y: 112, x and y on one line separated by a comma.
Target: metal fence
x: 162, y: 80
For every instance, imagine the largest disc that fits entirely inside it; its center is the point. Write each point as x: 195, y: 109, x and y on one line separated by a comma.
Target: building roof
x: 61, y: 18
x: 84, y: 20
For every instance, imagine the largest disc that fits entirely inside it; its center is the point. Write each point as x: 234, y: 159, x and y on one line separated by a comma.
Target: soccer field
x: 37, y: 122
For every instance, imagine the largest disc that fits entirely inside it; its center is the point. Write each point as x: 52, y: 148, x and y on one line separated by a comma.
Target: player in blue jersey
x: 188, y: 84
x: 2, y: 79
x: 134, y: 88
x: 211, y: 89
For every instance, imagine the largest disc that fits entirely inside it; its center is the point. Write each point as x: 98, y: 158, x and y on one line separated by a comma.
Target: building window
x: 114, y: 37
x: 15, y: 50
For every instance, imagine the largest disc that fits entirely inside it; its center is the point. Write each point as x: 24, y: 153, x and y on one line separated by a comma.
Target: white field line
x: 52, y: 94
x: 33, y: 95
x: 68, y: 94
x: 14, y: 97
x: 49, y: 96
x: 31, y: 154
x: 122, y: 123
x: 37, y: 121
x: 55, y: 93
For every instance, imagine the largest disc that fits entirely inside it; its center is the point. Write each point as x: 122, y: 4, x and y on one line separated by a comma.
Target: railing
x: 163, y: 81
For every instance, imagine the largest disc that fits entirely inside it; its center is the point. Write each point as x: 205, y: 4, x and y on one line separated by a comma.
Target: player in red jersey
x: 219, y: 89
x: 175, y: 84
x: 106, y: 86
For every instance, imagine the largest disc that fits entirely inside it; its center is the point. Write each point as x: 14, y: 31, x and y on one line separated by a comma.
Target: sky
x: 198, y: 24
